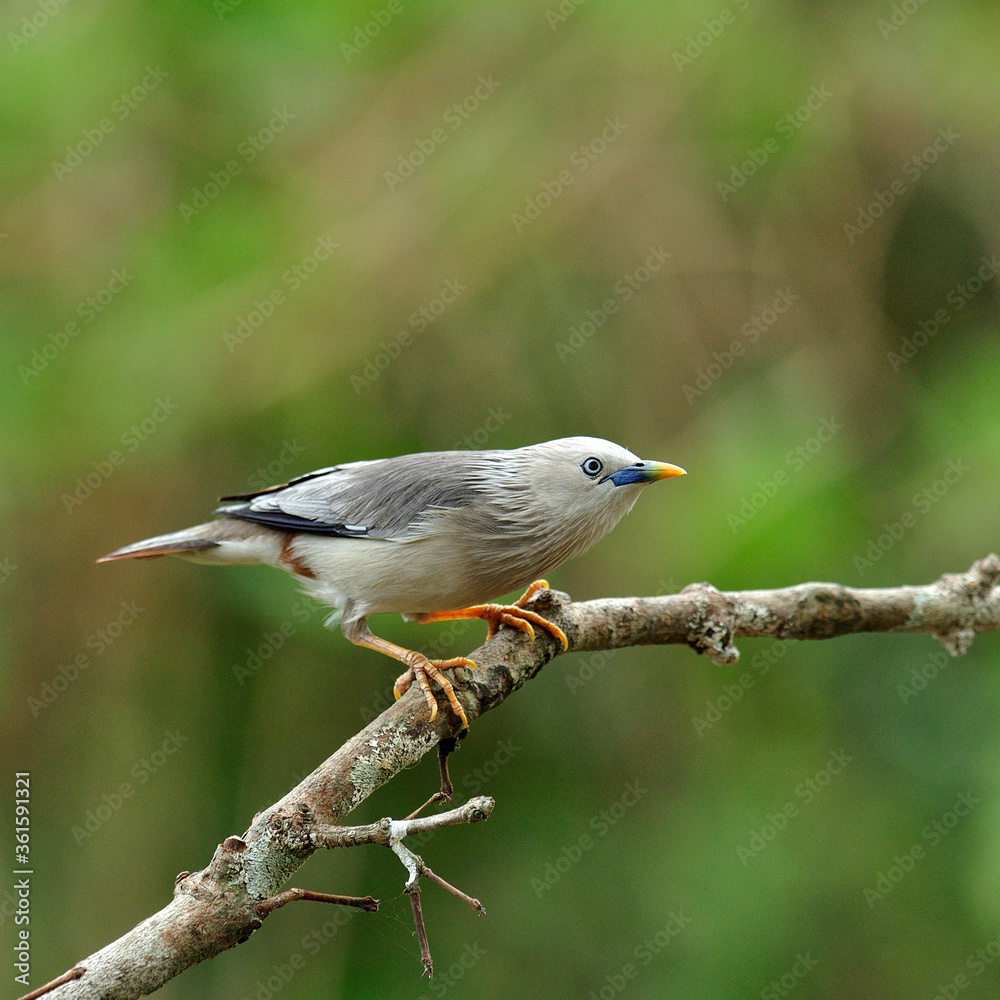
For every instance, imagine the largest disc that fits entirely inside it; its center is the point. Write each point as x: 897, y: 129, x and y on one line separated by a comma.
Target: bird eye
x: 593, y: 467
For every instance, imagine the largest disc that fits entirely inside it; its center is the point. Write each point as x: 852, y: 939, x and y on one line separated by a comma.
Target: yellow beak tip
x: 664, y: 470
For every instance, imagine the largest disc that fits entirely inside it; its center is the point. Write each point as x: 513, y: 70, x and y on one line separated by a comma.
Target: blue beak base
x: 645, y: 472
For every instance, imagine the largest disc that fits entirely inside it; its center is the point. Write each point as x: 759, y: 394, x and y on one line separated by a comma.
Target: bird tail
x: 222, y: 541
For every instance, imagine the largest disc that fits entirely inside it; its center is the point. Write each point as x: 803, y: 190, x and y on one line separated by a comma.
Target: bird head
x: 581, y: 486
x: 595, y: 472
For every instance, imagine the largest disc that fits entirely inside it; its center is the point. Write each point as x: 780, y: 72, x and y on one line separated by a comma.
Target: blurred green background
x: 226, y: 231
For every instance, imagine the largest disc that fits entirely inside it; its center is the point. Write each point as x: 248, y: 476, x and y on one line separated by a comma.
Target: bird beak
x: 661, y: 470
x: 645, y: 472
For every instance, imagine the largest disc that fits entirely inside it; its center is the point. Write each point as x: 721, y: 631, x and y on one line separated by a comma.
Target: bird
x: 433, y: 536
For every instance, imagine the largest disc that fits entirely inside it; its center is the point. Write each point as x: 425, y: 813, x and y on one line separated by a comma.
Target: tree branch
x: 221, y: 906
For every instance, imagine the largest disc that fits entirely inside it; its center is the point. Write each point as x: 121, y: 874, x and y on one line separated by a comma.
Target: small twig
x: 436, y: 797
x: 268, y: 906
x: 446, y: 748
x: 66, y: 977
x: 476, y: 810
x: 385, y: 831
x: 418, y: 920
x: 474, y: 903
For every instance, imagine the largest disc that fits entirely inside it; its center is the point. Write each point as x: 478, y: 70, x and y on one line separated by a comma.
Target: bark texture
x: 221, y: 906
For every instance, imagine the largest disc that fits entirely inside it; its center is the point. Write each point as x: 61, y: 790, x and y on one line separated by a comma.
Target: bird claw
x: 506, y: 618
x: 515, y: 615
x: 424, y: 670
x: 530, y: 592
x: 518, y: 616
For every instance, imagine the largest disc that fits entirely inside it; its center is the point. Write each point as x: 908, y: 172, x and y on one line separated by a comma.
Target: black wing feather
x: 282, y: 486
x: 291, y: 522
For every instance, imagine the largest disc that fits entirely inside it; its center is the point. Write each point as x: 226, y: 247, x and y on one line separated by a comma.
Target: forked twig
x: 391, y: 832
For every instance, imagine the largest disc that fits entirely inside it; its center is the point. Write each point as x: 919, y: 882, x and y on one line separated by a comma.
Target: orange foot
x: 516, y: 615
x: 419, y: 668
x: 425, y: 670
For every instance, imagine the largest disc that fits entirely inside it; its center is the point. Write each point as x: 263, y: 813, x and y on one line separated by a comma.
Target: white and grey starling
x: 432, y: 536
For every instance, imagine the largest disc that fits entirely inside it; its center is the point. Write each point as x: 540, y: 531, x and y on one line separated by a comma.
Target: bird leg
x: 516, y: 615
x: 422, y: 669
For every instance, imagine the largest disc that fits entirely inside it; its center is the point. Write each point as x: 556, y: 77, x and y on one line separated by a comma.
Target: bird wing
x: 389, y: 498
